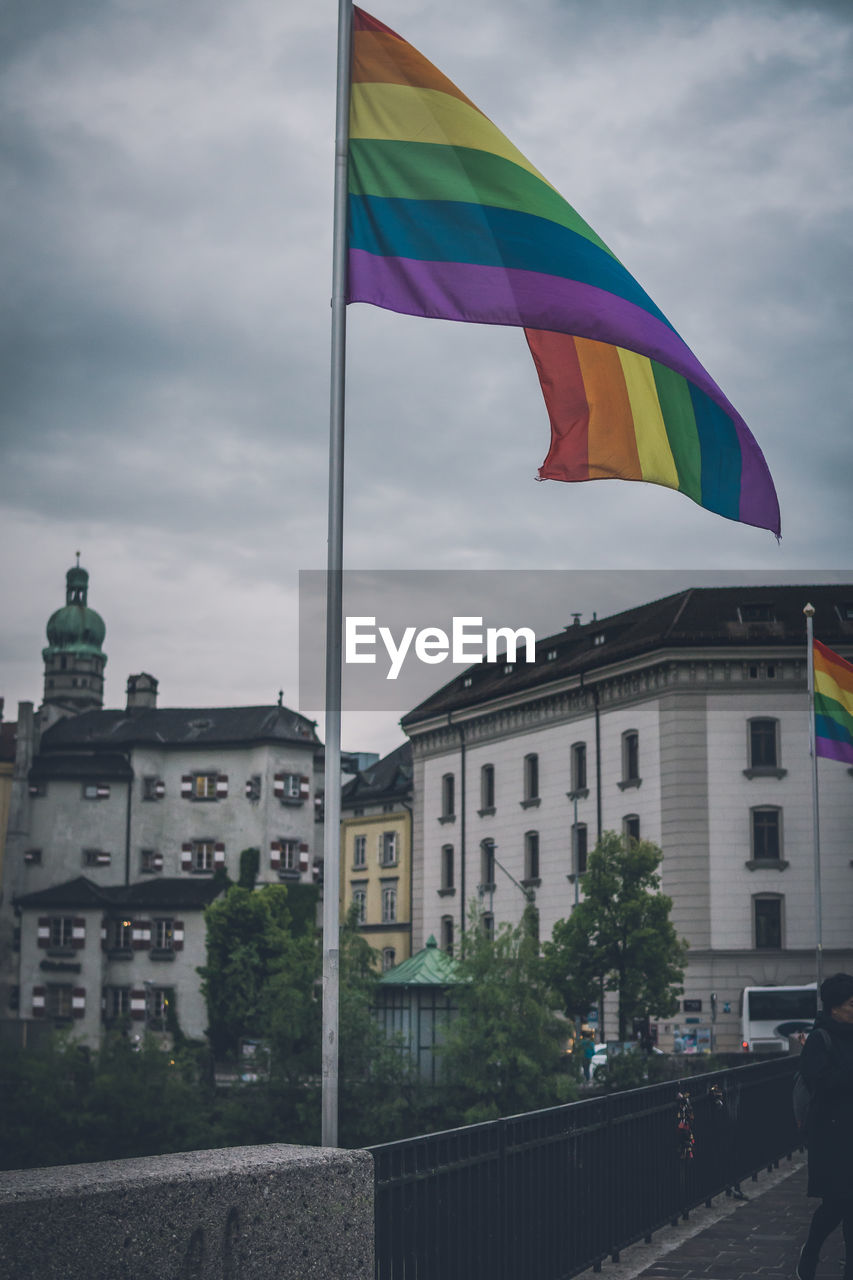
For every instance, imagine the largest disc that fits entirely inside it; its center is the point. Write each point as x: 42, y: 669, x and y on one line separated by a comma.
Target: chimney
x: 141, y: 692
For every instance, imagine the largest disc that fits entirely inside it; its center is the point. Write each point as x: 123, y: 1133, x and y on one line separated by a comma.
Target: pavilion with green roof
x: 415, y: 1003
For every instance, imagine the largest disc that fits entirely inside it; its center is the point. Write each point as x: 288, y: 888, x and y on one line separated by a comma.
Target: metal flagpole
x: 809, y: 612
x: 334, y: 599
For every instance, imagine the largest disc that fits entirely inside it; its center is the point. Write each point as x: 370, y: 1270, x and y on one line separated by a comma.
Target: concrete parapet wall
x: 242, y: 1213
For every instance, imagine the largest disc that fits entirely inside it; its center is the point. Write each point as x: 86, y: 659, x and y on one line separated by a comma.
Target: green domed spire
x: 75, y: 628
x: 74, y: 660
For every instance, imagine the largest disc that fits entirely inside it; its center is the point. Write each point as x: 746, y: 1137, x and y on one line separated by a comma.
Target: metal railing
x: 544, y: 1196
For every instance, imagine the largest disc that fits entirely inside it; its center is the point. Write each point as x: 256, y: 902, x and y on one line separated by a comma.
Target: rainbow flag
x: 448, y: 219
x: 833, y: 705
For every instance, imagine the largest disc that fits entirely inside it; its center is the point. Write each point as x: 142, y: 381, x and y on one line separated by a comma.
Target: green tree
x: 504, y: 1051
x: 259, y: 978
x: 620, y: 937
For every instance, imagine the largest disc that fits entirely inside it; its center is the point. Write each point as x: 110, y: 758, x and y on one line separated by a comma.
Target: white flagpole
x: 809, y: 612
x: 334, y: 599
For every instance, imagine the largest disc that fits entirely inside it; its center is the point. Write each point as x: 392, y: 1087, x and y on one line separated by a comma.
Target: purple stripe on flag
x: 527, y: 299
x: 832, y: 750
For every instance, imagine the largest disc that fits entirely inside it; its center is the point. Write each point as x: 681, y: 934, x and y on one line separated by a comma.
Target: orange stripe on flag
x: 612, y: 438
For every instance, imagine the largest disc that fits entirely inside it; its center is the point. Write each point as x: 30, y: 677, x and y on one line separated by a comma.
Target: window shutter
x: 304, y: 788
x: 222, y: 786
x: 178, y: 935
x: 102, y: 790
x: 157, y: 862
x: 44, y: 931
x: 275, y: 855
x: 159, y: 789
x: 137, y: 1004
x: 78, y: 1002
x: 103, y: 858
x: 303, y: 857
x: 103, y: 935
x: 186, y: 856
x: 141, y: 935
x: 39, y: 994
x: 187, y: 786
x: 278, y: 785
x: 78, y: 932
x: 219, y: 855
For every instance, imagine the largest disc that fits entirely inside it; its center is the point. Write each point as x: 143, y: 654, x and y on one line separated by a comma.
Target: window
x: 159, y: 999
x: 96, y: 858
x: 487, y: 924
x: 163, y: 936
x: 359, y: 897
x: 487, y: 864
x: 389, y: 958
x: 96, y: 791
x: 579, y: 767
x: 58, y: 1000
x: 531, y: 779
x: 359, y: 852
x: 767, y: 917
x: 766, y: 834
x: 253, y: 787
x: 447, y: 934
x: 388, y: 849
x: 631, y: 826
x: 61, y: 931
x: 579, y: 841
x: 630, y: 759
x: 487, y: 789
x: 202, y: 855
x: 290, y: 787
x: 116, y: 1002
x: 150, y: 860
x: 389, y: 904
x: 33, y: 857
x: 448, y: 796
x: 447, y: 868
x: 153, y: 788
x: 531, y: 855
x: 119, y: 935
x: 763, y: 748
x: 204, y: 786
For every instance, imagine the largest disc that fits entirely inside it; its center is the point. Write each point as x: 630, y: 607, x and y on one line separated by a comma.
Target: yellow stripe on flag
x: 653, y: 447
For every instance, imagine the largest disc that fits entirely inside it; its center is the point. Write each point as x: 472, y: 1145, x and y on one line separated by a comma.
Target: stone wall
x: 243, y: 1213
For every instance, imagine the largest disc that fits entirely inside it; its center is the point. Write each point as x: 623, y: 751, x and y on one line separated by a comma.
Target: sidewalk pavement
x: 757, y: 1237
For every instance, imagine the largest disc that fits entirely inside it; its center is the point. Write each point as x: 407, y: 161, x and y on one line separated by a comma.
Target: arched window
x: 531, y: 778
x: 531, y: 855
x: 630, y: 758
x: 579, y: 848
x: 447, y: 867
x: 487, y: 789
x: 579, y: 782
x: 448, y: 796
x: 447, y: 934
x: 767, y: 918
x: 766, y: 833
x: 631, y: 826
x: 487, y: 864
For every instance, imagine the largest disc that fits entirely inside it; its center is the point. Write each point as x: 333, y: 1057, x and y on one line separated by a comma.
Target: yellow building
x: 376, y: 854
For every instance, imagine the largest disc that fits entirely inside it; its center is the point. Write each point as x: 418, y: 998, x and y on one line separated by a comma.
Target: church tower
x: 73, y: 660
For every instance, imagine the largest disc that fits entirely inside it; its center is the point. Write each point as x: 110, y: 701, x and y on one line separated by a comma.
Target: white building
x: 119, y: 822
x: 683, y: 722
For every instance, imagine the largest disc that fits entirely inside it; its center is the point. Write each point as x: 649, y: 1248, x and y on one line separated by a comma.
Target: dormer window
x: 756, y: 613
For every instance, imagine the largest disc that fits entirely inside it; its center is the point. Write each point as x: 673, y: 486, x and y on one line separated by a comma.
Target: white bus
x: 769, y: 1015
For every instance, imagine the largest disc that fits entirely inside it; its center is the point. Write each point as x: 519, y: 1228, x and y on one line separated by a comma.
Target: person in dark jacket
x: 827, y: 1069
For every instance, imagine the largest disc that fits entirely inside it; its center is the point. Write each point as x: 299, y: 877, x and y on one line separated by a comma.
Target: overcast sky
x: 166, y: 224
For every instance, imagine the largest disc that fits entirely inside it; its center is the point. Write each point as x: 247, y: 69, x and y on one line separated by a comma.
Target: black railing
x: 546, y: 1195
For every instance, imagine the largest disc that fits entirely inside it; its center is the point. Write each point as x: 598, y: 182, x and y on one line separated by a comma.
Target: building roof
x: 172, y: 727
x: 170, y: 894
x: 93, y: 766
x: 745, y: 617
x: 428, y: 968
x: 388, y: 779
